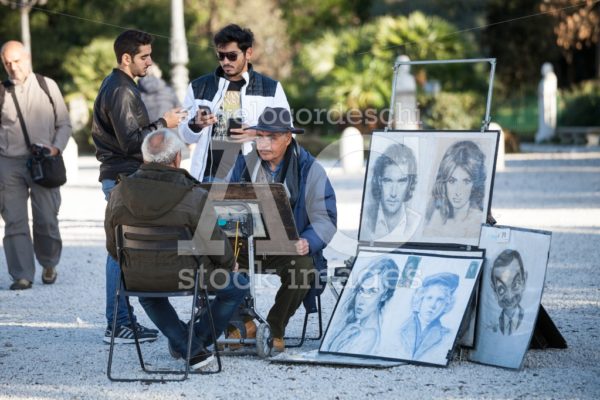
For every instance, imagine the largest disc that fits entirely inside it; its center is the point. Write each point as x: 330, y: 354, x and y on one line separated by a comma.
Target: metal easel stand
x: 263, y: 342
x: 341, y: 273
x: 487, y: 119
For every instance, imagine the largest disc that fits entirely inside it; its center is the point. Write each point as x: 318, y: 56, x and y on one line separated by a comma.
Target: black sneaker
x: 124, y: 334
x: 201, y: 359
x: 140, y: 327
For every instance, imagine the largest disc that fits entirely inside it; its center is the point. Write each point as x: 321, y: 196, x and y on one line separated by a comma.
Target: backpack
x: 41, y: 81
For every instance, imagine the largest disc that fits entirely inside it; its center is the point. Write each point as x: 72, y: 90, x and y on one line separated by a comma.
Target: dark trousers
x: 113, y: 278
x: 296, y: 274
x: 227, y: 299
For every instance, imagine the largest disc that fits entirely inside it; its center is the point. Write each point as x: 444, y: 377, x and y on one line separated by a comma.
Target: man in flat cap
x: 278, y: 158
x: 423, y: 330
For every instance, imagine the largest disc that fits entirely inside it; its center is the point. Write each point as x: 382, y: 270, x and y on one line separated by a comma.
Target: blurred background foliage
x: 453, y: 110
x: 580, y: 105
x: 352, y: 67
x: 338, y: 55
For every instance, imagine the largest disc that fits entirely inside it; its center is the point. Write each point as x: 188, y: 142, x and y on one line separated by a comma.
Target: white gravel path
x: 51, y: 337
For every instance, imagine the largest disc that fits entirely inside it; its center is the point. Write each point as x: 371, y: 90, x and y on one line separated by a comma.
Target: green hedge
x: 519, y: 115
x: 580, y: 106
x: 448, y: 110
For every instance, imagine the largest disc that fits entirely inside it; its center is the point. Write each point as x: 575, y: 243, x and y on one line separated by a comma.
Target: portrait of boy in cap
x: 423, y: 330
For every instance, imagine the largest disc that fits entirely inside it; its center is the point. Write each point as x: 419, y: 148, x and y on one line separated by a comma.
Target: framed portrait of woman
x: 430, y: 187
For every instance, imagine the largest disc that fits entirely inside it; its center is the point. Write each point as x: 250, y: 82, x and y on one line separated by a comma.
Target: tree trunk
x: 598, y: 59
x: 179, y: 52
x: 25, y: 34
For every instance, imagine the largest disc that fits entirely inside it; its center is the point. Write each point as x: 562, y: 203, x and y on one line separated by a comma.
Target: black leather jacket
x: 120, y: 124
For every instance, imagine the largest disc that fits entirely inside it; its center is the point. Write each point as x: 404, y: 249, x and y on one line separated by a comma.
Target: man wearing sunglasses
x: 234, y: 94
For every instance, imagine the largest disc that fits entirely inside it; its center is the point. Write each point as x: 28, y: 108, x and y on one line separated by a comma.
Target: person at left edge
x: 47, y: 121
x: 119, y: 126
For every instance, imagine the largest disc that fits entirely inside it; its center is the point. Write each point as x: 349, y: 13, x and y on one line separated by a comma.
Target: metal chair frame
x: 144, y: 241
x: 300, y: 340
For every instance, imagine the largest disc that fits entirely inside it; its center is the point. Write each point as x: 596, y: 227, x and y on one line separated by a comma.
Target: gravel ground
x: 51, y: 337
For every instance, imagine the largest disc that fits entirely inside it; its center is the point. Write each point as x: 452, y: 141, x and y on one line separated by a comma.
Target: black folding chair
x: 152, y: 278
x: 312, y: 304
x: 300, y: 340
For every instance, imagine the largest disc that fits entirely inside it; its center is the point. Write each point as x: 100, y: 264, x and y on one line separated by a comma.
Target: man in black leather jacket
x: 120, y: 124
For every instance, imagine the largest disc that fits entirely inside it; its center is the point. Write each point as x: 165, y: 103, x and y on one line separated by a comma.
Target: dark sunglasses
x: 231, y: 56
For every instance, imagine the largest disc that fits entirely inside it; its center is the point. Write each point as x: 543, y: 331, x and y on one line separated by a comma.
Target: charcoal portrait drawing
x: 455, y: 208
x: 359, y: 329
x: 508, y: 279
x: 387, y: 216
x: 423, y: 330
x: 512, y: 285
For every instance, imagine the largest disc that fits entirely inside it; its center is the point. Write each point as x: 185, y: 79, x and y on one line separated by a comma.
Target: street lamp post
x: 25, y: 7
x: 179, y: 53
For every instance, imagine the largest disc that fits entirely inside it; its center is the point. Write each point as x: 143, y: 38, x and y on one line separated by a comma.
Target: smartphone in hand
x: 204, y: 110
x: 233, y: 123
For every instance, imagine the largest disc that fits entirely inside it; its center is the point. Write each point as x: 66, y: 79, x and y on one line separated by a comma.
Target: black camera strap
x: 21, y: 120
x: 6, y: 85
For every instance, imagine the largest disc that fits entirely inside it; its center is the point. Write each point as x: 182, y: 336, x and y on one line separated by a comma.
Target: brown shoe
x: 20, y: 284
x: 49, y: 275
x: 235, y: 333
x: 278, y: 345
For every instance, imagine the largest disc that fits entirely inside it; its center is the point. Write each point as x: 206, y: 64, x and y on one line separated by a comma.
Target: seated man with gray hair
x: 159, y: 193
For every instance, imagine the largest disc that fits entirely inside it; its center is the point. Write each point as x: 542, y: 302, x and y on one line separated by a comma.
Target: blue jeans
x: 113, y: 276
x: 225, y: 303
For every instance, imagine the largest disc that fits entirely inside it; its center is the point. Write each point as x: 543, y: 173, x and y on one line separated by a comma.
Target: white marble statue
x: 547, y: 91
x: 406, y: 113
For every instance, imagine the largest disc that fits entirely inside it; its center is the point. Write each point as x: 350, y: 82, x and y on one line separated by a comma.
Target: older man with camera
x: 34, y: 121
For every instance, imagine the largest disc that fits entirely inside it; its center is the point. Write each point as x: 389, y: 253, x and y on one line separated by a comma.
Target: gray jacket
x: 157, y: 96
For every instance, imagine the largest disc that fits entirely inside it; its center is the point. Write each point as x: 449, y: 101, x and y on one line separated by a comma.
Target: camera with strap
x: 45, y: 170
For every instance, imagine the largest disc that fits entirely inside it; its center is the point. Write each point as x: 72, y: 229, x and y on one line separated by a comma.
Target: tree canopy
x: 352, y: 67
x: 328, y: 53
